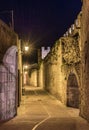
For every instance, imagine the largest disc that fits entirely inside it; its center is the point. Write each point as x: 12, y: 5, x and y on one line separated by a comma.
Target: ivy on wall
x: 70, y: 50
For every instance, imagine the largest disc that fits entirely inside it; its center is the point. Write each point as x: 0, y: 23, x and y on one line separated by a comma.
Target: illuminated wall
x: 52, y: 70
x: 40, y: 75
x: 64, y: 58
x: 84, y: 110
x: 33, y: 78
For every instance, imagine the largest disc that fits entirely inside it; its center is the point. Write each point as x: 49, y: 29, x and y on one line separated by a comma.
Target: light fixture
x: 25, y: 72
x: 26, y: 48
x: 25, y: 66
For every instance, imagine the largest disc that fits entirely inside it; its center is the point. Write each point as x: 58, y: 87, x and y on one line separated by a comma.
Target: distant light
x: 25, y: 72
x: 26, y: 48
x: 25, y: 66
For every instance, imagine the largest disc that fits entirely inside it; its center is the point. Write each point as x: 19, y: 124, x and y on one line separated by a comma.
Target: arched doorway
x: 8, y: 85
x: 72, y: 91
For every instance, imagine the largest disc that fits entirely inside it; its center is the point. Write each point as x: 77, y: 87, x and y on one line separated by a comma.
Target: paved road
x: 41, y: 111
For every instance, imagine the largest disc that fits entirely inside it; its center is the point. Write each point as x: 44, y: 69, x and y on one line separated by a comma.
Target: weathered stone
x: 69, y: 60
x: 70, y: 50
x: 84, y: 110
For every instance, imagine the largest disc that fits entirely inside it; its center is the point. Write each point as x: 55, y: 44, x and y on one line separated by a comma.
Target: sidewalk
x: 41, y: 111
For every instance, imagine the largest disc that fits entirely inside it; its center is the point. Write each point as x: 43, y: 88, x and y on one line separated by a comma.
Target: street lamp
x: 25, y: 66
x: 26, y: 48
x: 22, y: 50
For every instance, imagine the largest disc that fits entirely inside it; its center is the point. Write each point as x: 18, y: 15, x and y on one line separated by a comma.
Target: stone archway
x: 8, y: 85
x: 72, y: 91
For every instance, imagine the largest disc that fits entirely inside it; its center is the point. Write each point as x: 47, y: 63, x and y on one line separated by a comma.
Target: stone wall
x: 63, y: 59
x: 84, y: 111
x: 33, y: 78
x: 68, y: 61
x: 52, y: 72
x: 40, y: 75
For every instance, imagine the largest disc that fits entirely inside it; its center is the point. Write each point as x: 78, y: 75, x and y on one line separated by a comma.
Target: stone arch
x: 8, y: 85
x: 73, y: 91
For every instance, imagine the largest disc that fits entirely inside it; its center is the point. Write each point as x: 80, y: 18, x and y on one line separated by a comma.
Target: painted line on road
x: 37, y: 125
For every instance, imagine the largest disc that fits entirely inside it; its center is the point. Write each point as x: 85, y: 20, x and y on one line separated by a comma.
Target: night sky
x: 41, y: 22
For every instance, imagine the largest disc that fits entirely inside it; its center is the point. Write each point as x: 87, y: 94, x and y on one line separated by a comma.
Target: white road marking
x: 37, y: 125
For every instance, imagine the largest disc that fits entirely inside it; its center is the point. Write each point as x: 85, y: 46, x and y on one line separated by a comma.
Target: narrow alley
x: 41, y: 111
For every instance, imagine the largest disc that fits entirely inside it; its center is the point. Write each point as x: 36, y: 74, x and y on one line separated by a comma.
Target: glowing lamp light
x: 26, y: 48
x: 26, y: 66
x: 25, y: 72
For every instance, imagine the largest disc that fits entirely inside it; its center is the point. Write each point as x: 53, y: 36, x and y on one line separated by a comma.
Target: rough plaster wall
x: 84, y: 110
x: 26, y: 79
x: 40, y: 77
x: 33, y: 78
x: 50, y: 80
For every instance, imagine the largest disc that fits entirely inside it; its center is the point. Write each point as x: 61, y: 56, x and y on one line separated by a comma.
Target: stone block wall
x: 84, y: 110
